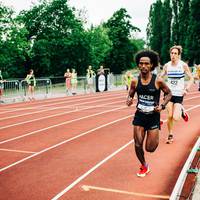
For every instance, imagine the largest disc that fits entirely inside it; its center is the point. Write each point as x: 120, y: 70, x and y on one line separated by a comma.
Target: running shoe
x: 144, y: 170
x: 185, y: 116
x: 170, y: 139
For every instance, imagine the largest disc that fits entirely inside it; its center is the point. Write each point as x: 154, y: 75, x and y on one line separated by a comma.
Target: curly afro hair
x: 153, y: 55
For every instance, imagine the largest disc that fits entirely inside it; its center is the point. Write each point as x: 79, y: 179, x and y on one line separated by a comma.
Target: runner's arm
x: 131, y: 93
x: 167, y: 94
x: 163, y: 72
x: 191, y: 79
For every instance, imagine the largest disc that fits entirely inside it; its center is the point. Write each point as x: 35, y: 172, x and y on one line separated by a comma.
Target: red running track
x: 81, y: 147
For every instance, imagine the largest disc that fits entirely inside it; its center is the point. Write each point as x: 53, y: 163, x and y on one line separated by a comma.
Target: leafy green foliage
x: 100, y: 45
x: 50, y: 37
x: 179, y: 25
x: 119, y: 32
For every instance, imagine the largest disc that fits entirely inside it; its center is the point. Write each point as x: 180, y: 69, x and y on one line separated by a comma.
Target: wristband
x: 162, y: 106
x: 129, y: 97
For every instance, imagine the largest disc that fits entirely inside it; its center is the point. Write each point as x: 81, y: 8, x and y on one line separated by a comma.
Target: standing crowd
x: 71, y: 80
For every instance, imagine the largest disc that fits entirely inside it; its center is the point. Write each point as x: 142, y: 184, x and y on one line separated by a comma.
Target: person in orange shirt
x: 68, y: 77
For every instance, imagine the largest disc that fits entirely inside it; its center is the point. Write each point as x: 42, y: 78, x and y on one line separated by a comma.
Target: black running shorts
x: 176, y: 99
x: 148, y: 121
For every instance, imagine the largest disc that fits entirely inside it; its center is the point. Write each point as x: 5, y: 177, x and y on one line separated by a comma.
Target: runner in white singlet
x: 175, y: 71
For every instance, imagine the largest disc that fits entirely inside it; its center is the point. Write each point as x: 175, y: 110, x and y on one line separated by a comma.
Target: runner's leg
x: 139, y: 135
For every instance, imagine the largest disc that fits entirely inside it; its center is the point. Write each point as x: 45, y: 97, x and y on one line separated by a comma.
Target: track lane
x: 59, y: 114
x: 120, y: 172
x: 6, y: 108
x: 53, y: 106
x: 71, y: 193
x: 63, y: 163
x: 26, y: 130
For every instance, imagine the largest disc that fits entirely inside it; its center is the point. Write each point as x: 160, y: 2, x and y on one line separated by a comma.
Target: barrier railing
x: 12, y: 89
x: 43, y: 88
x: 175, y: 195
x: 46, y: 87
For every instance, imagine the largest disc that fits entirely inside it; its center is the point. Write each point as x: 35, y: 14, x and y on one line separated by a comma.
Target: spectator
x: 90, y: 79
x: 127, y: 79
x: 100, y: 70
x: 68, y: 76
x: 1, y: 87
x: 74, y: 81
x: 31, y: 81
x: 198, y: 75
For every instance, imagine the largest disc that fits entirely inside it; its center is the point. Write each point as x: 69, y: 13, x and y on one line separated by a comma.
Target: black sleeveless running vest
x: 32, y: 79
x: 148, y: 95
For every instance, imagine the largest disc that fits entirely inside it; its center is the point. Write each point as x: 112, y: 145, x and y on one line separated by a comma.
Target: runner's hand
x: 158, y: 108
x: 129, y: 101
x: 185, y: 92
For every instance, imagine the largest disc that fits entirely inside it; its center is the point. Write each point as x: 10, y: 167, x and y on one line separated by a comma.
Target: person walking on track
x: 147, y: 116
x: 175, y: 71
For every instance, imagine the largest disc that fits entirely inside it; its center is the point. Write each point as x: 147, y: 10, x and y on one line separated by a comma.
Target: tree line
x: 175, y: 22
x: 51, y: 37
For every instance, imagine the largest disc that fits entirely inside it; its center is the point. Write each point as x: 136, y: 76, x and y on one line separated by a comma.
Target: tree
x: 119, y: 32
x: 13, y: 44
x: 184, y: 16
x: 154, y: 27
x: 193, y: 39
x: 60, y: 40
x: 100, y: 45
x: 175, y: 22
x: 166, y: 31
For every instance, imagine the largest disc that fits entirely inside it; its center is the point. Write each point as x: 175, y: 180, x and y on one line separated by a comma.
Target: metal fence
x: 17, y: 90
x: 12, y: 90
x: 43, y: 88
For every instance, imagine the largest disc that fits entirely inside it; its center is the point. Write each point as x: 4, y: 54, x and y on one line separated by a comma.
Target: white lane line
x: 58, y: 114
x: 90, y: 187
x: 95, y: 167
x: 193, y: 107
x: 17, y: 151
x: 35, y: 112
x: 58, y: 103
x: 196, y: 97
x: 60, y: 124
x: 90, y: 171
x: 64, y: 142
x: 24, y: 122
x: 65, y: 99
